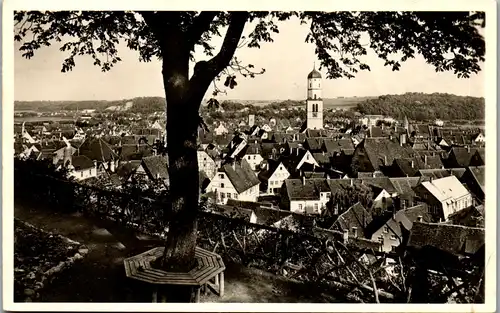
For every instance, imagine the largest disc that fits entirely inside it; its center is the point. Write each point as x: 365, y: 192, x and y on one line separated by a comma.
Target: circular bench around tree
x: 208, y: 273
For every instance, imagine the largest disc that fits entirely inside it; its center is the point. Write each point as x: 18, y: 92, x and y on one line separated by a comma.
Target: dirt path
x: 100, y: 277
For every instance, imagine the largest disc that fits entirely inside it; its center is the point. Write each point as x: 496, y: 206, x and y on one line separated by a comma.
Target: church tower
x: 314, y: 101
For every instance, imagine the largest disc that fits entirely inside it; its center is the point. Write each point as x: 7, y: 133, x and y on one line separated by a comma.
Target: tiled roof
x: 313, y: 144
x: 156, y: 167
x: 454, y: 239
x: 479, y: 174
x: 446, y: 188
x: 333, y: 145
x: 377, y: 149
x: 97, y: 149
x: 81, y: 162
x: 298, y: 189
x: 241, y: 175
x: 355, y: 216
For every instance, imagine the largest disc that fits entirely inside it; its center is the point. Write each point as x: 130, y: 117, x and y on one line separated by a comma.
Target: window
x: 393, y: 237
x: 386, y: 229
x: 254, y: 157
x: 204, y: 159
x: 300, y: 207
x: 221, y: 176
x: 393, y: 248
x: 222, y: 185
x: 381, y: 239
x: 249, y: 157
x: 90, y: 172
x: 315, y: 207
x: 81, y: 174
x: 314, y: 96
x: 281, y: 168
x: 222, y: 195
x: 235, y: 196
x: 272, y: 182
x: 228, y: 195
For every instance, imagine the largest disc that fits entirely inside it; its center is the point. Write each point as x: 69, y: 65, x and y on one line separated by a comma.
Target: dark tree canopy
x: 394, y: 36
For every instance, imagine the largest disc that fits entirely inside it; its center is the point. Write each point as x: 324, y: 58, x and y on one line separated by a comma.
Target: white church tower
x: 314, y: 101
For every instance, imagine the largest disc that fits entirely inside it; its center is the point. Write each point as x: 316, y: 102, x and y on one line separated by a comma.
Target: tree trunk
x: 182, y: 130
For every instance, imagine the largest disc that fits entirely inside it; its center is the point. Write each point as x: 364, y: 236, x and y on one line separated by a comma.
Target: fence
x: 320, y: 256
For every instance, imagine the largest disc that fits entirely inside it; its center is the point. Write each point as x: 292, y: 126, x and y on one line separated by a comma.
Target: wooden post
x: 155, y: 294
x: 221, y: 284
x: 197, y: 298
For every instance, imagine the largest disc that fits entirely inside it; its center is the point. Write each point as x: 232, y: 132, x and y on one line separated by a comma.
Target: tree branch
x: 200, y: 25
x: 231, y: 40
x: 206, y: 71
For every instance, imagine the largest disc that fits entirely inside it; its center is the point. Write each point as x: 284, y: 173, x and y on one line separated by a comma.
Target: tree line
x: 421, y: 106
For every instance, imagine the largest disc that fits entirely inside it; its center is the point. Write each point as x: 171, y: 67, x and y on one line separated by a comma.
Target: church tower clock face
x: 314, y: 106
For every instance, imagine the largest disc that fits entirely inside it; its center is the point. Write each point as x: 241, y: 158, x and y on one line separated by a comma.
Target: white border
x: 320, y: 5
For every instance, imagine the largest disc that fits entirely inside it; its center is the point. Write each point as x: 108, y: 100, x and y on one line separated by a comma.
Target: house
x: 206, y: 164
x: 460, y: 157
x: 305, y: 195
x: 295, y: 161
x: 153, y: 168
x: 444, y: 196
x: 252, y: 154
x: 236, y: 212
x: 441, y: 245
x: 479, y: 138
x: 221, y: 130
x: 235, y: 180
x: 332, y: 146
x: 81, y: 168
x: 478, y: 158
x: 354, y: 220
x: 374, y: 154
x: 273, y: 176
x: 100, y: 151
x: 393, y: 229
x: 474, y: 178
x: 472, y: 216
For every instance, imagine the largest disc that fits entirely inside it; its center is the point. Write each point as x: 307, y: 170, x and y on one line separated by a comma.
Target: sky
x: 287, y: 61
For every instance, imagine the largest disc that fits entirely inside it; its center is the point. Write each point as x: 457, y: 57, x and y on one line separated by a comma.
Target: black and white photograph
x: 233, y: 157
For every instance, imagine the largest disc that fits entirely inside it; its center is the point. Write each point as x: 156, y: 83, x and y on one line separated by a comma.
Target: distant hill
x: 135, y: 105
x: 420, y: 106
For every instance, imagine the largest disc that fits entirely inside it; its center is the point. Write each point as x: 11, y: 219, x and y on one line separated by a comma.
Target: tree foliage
x: 420, y: 106
x: 449, y: 41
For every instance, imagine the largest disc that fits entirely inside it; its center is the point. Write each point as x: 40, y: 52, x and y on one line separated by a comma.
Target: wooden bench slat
x: 207, y: 276
x: 198, y: 274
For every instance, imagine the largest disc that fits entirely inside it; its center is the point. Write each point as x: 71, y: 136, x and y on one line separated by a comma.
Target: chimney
x: 412, y: 164
x: 355, y: 232
x: 419, y: 218
x: 425, y: 160
x: 303, y: 180
x: 430, y: 180
x: 345, y: 236
x: 352, y: 182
